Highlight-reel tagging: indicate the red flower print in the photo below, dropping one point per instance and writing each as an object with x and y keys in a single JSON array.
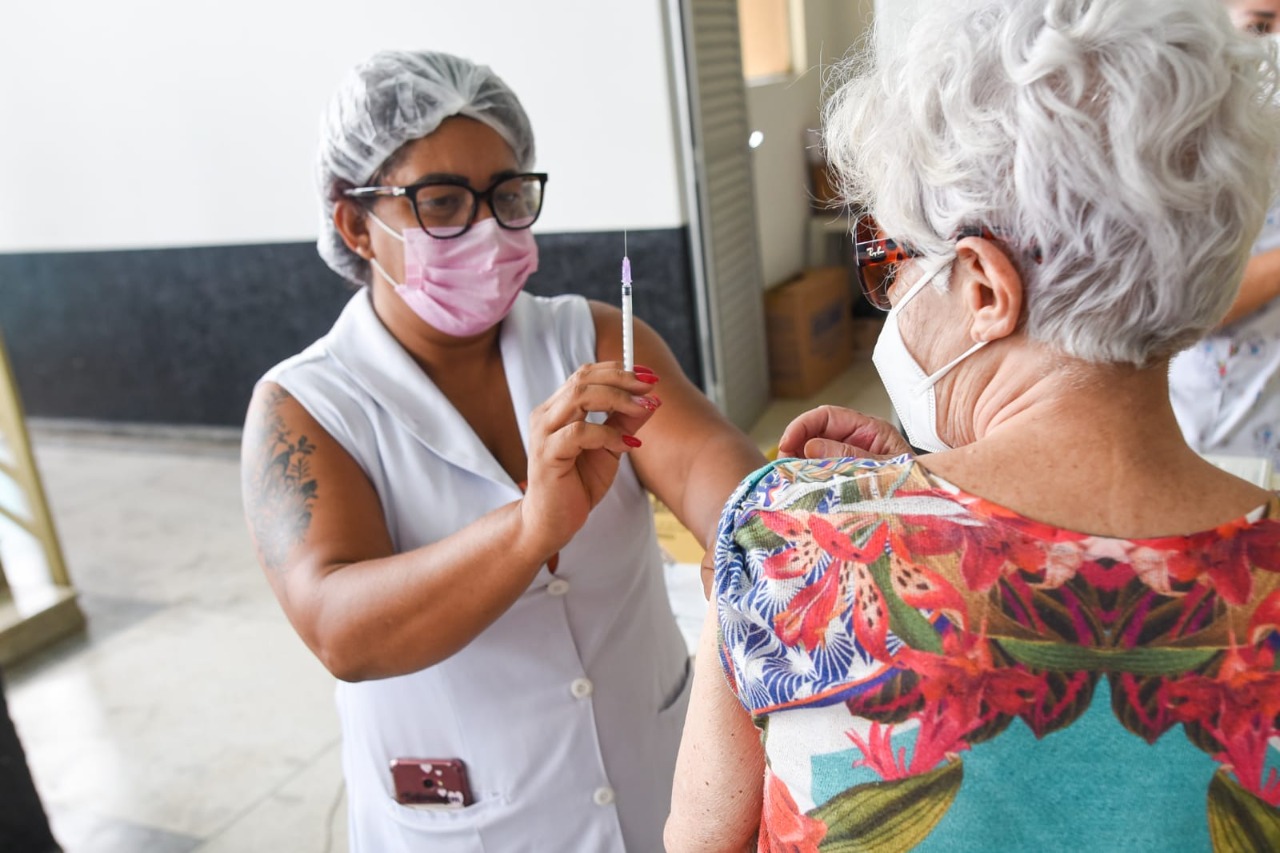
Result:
[
  {"x": 1266, "y": 619},
  {"x": 878, "y": 755},
  {"x": 963, "y": 691},
  {"x": 806, "y": 618},
  {"x": 1224, "y": 557},
  {"x": 846, "y": 579},
  {"x": 802, "y": 552},
  {"x": 987, "y": 551},
  {"x": 1238, "y": 707},
  {"x": 783, "y": 828},
  {"x": 847, "y": 582},
  {"x": 916, "y": 585},
  {"x": 870, "y": 617},
  {"x": 922, "y": 588}
]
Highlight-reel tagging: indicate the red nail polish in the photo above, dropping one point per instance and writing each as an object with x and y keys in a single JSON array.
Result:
[
  {"x": 631, "y": 441},
  {"x": 651, "y": 378},
  {"x": 640, "y": 368}
]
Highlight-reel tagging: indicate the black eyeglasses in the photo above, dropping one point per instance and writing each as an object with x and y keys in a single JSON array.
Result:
[
  {"x": 1260, "y": 23},
  {"x": 876, "y": 260},
  {"x": 447, "y": 208}
]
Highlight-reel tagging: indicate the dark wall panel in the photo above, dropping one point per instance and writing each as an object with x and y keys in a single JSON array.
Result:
[{"x": 179, "y": 336}]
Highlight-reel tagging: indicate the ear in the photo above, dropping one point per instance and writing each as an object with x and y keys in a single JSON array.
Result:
[
  {"x": 350, "y": 220},
  {"x": 991, "y": 289}
]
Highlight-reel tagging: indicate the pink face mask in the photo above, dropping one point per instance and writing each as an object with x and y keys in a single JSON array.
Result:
[{"x": 464, "y": 285}]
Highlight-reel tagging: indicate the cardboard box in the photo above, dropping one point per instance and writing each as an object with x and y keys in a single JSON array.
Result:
[
  {"x": 809, "y": 324},
  {"x": 823, "y": 197}
]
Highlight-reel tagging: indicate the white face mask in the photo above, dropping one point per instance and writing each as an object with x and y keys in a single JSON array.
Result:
[{"x": 910, "y": 388}]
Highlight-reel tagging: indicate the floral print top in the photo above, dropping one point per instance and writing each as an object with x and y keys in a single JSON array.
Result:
[{"x": 932, "y": 671}]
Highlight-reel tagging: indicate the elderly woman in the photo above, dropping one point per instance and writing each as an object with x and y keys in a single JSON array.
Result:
[
  {"x": 444, "y": 524},
  {"x": 1062, "y": 633}
]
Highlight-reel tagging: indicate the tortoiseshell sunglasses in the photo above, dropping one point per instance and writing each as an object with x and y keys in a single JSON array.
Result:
[{"x": 876, "y": 261}]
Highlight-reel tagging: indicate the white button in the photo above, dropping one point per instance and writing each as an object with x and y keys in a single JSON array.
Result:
[
  {"x": 559, "y": 586},
  {"x": 581, "y": 688},
  {"x": 603, "y": 796}
]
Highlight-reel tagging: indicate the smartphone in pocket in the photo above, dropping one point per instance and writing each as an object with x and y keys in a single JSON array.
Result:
[{"x": 431, "y": 782}]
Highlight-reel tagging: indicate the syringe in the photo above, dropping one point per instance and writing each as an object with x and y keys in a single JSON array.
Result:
[{"x": 628, "y": 352}]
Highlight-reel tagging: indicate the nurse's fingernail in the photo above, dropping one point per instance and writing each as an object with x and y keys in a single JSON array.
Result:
[
  {"x": 648, "y": 402},
  {"x": 640, "y": 368},
  {"x": 631, "y": 441},
  {"x": 651, "y": 378}
]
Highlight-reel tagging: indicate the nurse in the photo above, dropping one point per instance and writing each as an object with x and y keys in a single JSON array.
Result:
[
  {"x": 1226, "y": 388},
  {"x": 451, "y": 533}
]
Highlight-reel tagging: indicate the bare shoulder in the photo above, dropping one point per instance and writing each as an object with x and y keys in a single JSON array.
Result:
[
  {"x": 651, "y": 350},
  {"x": 604, "y": 312},
  {"x": 608, "y": 323},
  {"x": 305, "y": 497},
  {"x": 277, "y": 479}
]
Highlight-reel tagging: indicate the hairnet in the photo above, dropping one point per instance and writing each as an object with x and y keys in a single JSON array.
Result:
[{"x": 390, "y": 99}]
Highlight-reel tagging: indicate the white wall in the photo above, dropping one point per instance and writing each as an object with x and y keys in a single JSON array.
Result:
[
  {"x": 142, "y": 123},
  {"x": 783, "y": 111},
  {"x": 897, "y": 15}
]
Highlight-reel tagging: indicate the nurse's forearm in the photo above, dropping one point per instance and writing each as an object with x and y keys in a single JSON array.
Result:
[
  {"x": 715, "y": 470},
  {"x": 1260, "y": 285},
  {"x": 399, "y": 614}
]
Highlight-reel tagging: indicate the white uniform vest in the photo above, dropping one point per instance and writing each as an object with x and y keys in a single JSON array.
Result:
[{"x": 568, "y": 709}]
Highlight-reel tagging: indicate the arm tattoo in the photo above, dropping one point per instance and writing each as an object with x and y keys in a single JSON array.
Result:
[{"x": 281, "y": 489}]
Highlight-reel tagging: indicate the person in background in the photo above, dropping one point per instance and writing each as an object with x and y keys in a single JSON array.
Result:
[
  {"x": 449, "y": 491},
  {"x": 1260, "y": 17},
  {"x": 1057, "y": 627},
  {"x": 23, "y": 823},
  {"x": 1226, "y": 388}
]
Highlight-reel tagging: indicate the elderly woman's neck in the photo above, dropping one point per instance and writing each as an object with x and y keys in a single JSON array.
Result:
[
  {"x": 1062, "y": 395},
  {"x": 1087, "y": 448}
]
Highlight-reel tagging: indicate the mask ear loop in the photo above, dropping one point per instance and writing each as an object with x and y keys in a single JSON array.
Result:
[
  {"x": 377, "y": 266},
  {"x": 932, "y": 379},
  {"x": 374, "y": 261},
  {"x": 385, "y": 227},
  {"x": 928, "y": 276}
]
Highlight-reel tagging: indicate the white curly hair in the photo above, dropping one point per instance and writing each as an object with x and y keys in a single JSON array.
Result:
[{"x": 1132, "y": 143}]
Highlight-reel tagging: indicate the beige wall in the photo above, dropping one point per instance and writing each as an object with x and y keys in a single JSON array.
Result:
[{"x": 783, "y": 110}]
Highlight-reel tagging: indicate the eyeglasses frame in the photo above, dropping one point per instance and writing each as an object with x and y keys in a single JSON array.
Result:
[
  {"x": 410, "y": 192},
  {"x": 885, "y": 250}
]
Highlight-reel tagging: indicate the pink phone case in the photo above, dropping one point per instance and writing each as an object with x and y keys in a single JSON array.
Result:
[{"x": 431, "y": 781}]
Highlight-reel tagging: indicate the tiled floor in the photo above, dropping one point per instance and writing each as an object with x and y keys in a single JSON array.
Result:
[{"x": 189, "y": 716}]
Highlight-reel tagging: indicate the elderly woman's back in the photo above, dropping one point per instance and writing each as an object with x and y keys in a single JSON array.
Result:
[{"x": 1058, "y": 629}]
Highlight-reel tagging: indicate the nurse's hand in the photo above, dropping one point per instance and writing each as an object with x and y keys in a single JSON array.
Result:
[
  {"x": 572, "y": 462},
  {"x": 831, "y": 431}
]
